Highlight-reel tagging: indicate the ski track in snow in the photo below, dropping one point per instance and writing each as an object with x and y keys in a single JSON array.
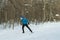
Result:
[{"x": 42, "y": 31}]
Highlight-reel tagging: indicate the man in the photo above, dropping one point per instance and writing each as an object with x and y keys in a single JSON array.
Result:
[{"x": 24, "y": 22}]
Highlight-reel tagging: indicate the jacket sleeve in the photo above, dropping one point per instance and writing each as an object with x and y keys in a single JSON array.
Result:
[{"x": 28, "y": 21}]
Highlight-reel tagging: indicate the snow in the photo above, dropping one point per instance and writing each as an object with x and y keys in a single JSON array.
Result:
[
  {"x": 42, "y": 31},
  {"x": 57, "y": 15}
]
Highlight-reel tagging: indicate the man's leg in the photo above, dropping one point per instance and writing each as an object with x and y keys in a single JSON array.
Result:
[
  {"x": 23, "y": 28},
  {"x": 28, "y": 28}
]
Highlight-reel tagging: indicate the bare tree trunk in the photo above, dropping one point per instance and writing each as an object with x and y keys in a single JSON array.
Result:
[
  {"x": 51, "y": 14},
  {"x": 44, "y": 16},
  {"x": 6, "y": 16},
  {"x": 5, "y": 20}
]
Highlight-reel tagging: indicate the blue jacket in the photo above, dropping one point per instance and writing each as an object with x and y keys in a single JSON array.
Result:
[{"x": 24, "y": 21}]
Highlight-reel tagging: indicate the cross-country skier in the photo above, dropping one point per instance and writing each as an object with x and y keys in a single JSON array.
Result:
[{"x": 24, "y": 22}]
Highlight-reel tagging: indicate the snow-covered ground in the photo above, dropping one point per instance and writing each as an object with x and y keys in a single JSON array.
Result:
[{"x": 42, "y": 31}]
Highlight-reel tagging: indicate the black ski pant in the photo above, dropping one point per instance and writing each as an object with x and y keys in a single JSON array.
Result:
[{"x": 26, "y": 26}]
